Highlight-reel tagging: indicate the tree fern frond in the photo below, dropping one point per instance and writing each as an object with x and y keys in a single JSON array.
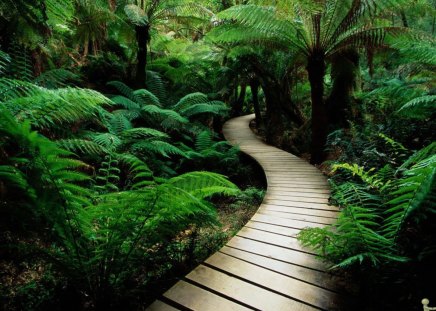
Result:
[
  {"x": 203, "y": 141},
  {"x": 145, "y": 97},
  {"x": 5, "y": 60},
  {"x": 157, "y": 147},
  {"x": 156, "y": 86},
  {"x": 82, "y": 146},
  {"x": 159, "y": 114},
  {"x": 204, "y": 184},
  {"x": 142, "y": 176},
  {"x": 107, "y": 140},
  {"x": 136, "y": 15},
  {"x": 56, "y": 78},
  {"x": 125, "y": 102},
  {"x": 143, "y": 132},
  {"x": 119, "y": 123},
  {"x": 421, "y": 107}
]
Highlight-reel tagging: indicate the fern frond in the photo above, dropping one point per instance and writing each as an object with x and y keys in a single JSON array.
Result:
[
  {"x": 203, "y": 141},
  {"x": 82, "y": 146},
  {"x": 143, "y": 132},
  {"x": 359, "y": 171},
  {"x": 204, "y": 184},
  {"x": 119, "y": 123},
  {"x": 106, "y": 140},
  {"x": 157, "y": 147},
  {"x": 409, "y": 195},
  {"x": 155, "y": 113},
  {"x": 142, "y": 176},
  {"x": 156, "y": 86},
  {"x": 5, "y": 60},
  {"x": 419, "y": 108},
  {"x": 56, "y": 78},
  {"x": 145, "y": 97}
]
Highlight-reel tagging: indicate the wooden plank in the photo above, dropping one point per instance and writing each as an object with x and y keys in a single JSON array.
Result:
[
  {"x": 300, "y": 204},
  {"x": 249, "y": 294},
  {"x": 317, "y": 278},
  {"x": 308, "y": 218},
  {"x": 272, "y": 228},
  {"x": 278, "y": 253},
  {"x": 290, "y": 197},
  {"x": 300, "y": 211},
  {"x": 286, "y": 222},
  {"x": 273, "y": 239},
  {"x": 294, "y": 193},
  {"x": 297, "y": 188},
  {"x": 290, "y": 287},
  {"x": 196, "y": 298},
  {"x": 277, "y": 184}
]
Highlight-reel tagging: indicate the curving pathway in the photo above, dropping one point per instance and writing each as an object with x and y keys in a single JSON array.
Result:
[{"x": 263, "y": 267}]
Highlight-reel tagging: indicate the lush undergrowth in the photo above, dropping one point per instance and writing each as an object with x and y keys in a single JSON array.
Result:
[{"x": 114, "y": 176}]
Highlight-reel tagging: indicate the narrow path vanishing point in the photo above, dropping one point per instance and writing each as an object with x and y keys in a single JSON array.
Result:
[{"x": 263, "y": 267}]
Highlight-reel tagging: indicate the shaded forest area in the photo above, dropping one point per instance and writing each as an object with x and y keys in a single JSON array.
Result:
[{"x": 115, "y": 179}]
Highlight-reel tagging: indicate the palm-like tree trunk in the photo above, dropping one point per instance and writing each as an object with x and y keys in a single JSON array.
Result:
[
  {"x": 316, "y": 69},
  {"x": 142, "y": 39}
]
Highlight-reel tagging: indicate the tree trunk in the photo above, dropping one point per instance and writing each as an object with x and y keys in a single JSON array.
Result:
[
  {"x": 404, "y": 19},
  {"x": 316, "y": 69},
  {"x": 339, "y": 104},
  {"x": 142, "y": 39},
  {"x": 254, "y": 86},
  {"x": 239, "y": 102}
]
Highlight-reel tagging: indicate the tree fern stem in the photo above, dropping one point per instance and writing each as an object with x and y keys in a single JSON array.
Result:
[{"x": 316, "y": 68}]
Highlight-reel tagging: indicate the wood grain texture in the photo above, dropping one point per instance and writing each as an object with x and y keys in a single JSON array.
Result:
[{"x": 264, "y": 267}]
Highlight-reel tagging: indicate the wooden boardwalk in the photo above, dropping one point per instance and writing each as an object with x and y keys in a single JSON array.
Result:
[{"x": 263, "y": 267}]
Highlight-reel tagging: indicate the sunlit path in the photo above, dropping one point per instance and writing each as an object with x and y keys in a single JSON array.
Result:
[{"x": 263, "y": 267}]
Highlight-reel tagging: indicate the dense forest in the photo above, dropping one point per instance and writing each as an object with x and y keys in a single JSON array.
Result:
[{"x": 115, "y": 178}]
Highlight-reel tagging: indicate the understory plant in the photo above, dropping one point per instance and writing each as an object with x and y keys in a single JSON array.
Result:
[
  {"x": 98, "y": 236},
  {"x": 377, "y": 208}
]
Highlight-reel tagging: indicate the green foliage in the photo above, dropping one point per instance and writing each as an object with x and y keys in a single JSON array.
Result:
[
  {"x": 375, "y": 211},
  {"x": 50, "y": 109},
  {"x": 420, "y": 107}
]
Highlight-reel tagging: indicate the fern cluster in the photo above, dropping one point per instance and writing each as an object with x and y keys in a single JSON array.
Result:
[
  {"x": 103, "y": 220},
  {"x": 376, "y": 210}
]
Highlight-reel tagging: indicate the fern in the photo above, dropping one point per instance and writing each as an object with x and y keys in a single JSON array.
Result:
[
  {"x": 50, "y": 108},
  {"x": 142, "y": 132},
  {"x": 82, "y": 146},
  {"x": 419, "y": 108},
  {"x": 56, "y": 78},
  {"x": 5, "y": 60},
  {"x": 141, "y": 175},
  {"x": 156, "y": 147},
  {"x": 106, "y": 140},
  {"x": 156, "y": 86},
  {"x": 356, "y": 237},
  {"x": 409, "y": 194},
  {"x": 359, "y": 171}
]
